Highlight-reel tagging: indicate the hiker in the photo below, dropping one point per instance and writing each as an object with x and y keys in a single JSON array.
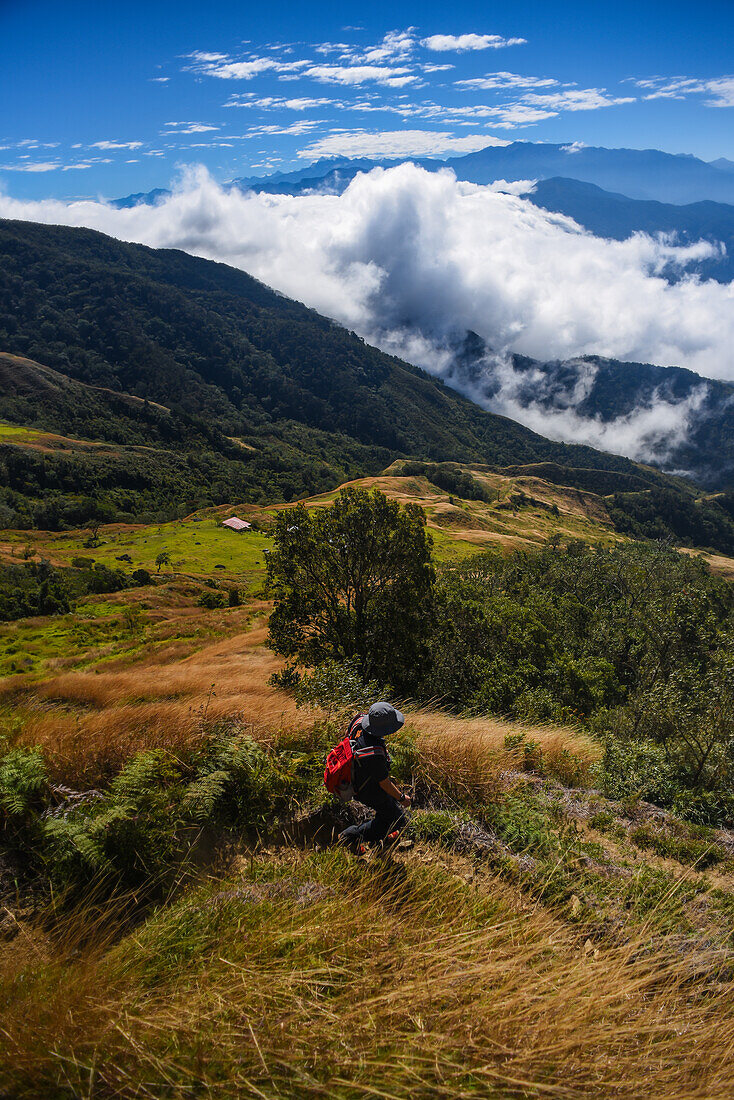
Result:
[{"x": 371, "y": 780}]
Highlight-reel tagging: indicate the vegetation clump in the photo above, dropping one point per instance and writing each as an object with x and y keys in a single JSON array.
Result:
[
  {"x": 38, "y": 588},
  {"x": 353, "y": 582}
]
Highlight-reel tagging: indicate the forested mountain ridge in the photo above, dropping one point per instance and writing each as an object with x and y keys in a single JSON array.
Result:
[
  {"x": 215, "y": 388},
  {"x": 209, "y": 341}
]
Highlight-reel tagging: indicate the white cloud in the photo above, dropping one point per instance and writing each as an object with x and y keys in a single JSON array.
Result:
[
  {"x": 411, "y": 260},
  {"x": 223, "y": 67},
  {"x": 650, "y": 432},
  {"x": 395, "y": 44},
  {"x": 574, "y": 147},
  {"x": 206, "y": 58},
  {"x": 276, "y": 103},
  {"x": 116, "y": 145},
  {"x": 574, "y": 99},
  {"x": 464, "y": 42},
  {"x": 517, "y": 114},
  {"x": 506, "y": 80},
  {"x": 396, "y": 76},
  {"x": 159, "y": 79},
  {"x": 720, "y": 89},
  {"x": 304, "y": 126},
  {"x": 534, "y": 107},
  {"x": 77, "y": 167},
  {"x": 189, "y": 128},
  {"x": 31, "y": 166},
  {"x": 396, "y": 143},
  {"x": 333, "y": 47}
]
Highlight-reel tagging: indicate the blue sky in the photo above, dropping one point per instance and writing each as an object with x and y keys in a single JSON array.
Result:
[{"x": 102, "y": 99}]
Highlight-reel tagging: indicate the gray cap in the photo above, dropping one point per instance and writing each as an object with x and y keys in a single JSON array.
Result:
[{"x": 382, "y": 720}]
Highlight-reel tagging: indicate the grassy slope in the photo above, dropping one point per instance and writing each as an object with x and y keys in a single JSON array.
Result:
[{"x": 537, "y": 940}]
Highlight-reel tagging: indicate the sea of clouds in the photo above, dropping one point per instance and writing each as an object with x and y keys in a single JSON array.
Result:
[{"x": 411, "y": 260}]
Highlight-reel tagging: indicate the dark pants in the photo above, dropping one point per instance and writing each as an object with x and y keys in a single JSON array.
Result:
[{"x": 388, "y": 817}]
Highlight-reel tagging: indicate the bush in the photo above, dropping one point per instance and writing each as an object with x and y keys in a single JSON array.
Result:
[
  {"x": 213, "y": 600},
  {"x": 138, "y": 834},
  {"x": 637, "y": 769},
  {"x": 336, "y": 685}
]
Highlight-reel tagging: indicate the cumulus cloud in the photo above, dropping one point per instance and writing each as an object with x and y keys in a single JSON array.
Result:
[
  {"x": 396, "y": 143},
  {"x": 394, "y": 44},
  {"x": 391, "y": 76},
  {"x": 412, "y": 260},
  {"x": 463, "y": 42}
]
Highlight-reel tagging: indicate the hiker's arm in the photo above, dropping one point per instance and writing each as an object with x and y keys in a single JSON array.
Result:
[{"x": 389, "y": 787}]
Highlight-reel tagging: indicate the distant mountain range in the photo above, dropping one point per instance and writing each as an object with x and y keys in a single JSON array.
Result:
[
  {"x": 616, "y": 217},
  {"x": 646, "y": 174},
  {"x": 611, "y": 192}
]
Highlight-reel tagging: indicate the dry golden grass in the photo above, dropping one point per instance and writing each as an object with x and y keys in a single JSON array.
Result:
[
  {"x": 335, "y": 981},
  {"x": 90, "y": 723},
  {"x": 466, "y": 757}
]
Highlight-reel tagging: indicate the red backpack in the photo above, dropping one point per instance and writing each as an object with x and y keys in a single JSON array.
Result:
[{"x": 339, "y": 774}]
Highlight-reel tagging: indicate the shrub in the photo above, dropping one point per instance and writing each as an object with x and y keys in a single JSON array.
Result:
[
  {"x": 336, "y": 685},
  {"x": 637, "y": 769},
  {"x": 213, "y": 600}
]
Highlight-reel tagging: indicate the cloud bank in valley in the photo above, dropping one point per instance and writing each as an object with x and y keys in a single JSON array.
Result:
[{"x": 411, "y": 260}]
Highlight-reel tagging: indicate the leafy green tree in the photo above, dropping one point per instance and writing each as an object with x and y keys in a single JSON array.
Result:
[
  {"x": 164, "y": 558},
  {"x": 353, "y": 581}
]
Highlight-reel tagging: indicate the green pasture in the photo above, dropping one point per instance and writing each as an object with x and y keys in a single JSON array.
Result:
[
  {"x": 203, "y": 547},
  {"x": 30, "y": 646},
  {"x": 16, "y": 433}
]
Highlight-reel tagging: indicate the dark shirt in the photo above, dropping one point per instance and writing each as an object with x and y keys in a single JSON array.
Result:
[{"x": 371, "y": 769}]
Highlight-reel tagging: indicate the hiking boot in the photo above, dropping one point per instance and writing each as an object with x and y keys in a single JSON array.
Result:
[
  {"x": 354, "y": 844},
  {"x": 392, "y": 840}
]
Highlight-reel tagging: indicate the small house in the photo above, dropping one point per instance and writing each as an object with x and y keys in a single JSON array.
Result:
[{"x": 236, "y": 524}]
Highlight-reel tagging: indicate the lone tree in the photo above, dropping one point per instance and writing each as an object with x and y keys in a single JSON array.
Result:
[
  {"x": 164, "y": 558},
  {"x": 353, "y": 581}
]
